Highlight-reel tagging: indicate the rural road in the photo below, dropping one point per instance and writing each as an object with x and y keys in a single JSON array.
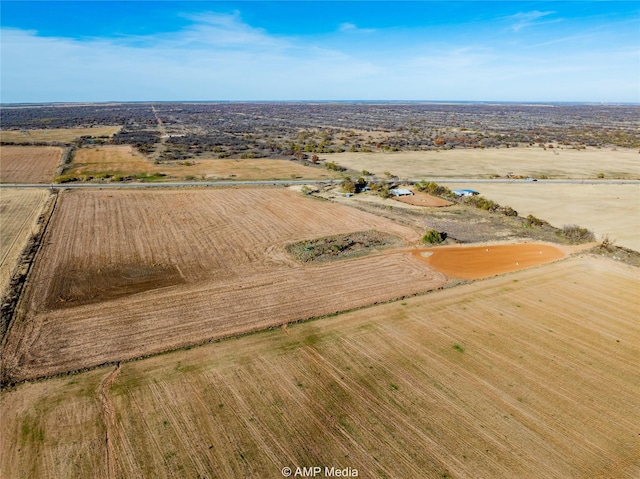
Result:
[{"x": 305, "y": 182}]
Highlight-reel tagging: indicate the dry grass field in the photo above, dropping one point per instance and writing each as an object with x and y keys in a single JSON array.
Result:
[
  {"x": 532, "y": 374},
  {"x": 64, "y": 135},
  {"x": 19, "y": 211},
  {"x": 612, "y": 210},
  {"x": 123, "y": 160},
  {"x": 28, "y": 164},
  {"x": 482, "y": 163},
  {"x": 110, "y": 284}
]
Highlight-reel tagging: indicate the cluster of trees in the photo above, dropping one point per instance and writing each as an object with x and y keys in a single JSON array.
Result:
[
  {"x": 283, "y": 129},
  {"x": 74, "y": 116}
]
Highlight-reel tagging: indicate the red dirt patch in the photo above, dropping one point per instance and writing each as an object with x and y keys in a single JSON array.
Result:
[
  {"x": 477, "y": 262},
  {"x": 423, "y": 199}
]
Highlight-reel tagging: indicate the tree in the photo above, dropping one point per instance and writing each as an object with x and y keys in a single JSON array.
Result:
[
  {"x": 434, "y": 237},
  {"x": 347, "y": 185}
]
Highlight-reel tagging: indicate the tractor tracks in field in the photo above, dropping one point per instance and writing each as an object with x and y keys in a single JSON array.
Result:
[{"x": 109, "y": 417}]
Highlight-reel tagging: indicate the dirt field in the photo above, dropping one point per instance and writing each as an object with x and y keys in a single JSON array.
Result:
[
  {"x": 123, "y": 160},
  {"x": 422, "y": 199},
  {"x": 531, "y": 374},
  {"x": 19, "y": 210},
  {"x": 474, "y": 262},
  {"x": 110, "y": 284},
  {"x": 612, "y": 210},
  {"x": 482, "y": 163},
  {"x": 28, "y": 164},
  {"x": 64, "y": 135}
]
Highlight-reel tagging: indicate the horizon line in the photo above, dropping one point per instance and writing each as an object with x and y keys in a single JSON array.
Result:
[{"x": 450, "y": 102}]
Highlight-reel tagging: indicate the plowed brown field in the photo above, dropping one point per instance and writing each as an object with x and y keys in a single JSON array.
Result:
[
  {"x": 529, "y": 375},
  {"x": 124, "y": 274},
  {"x": 28, "y": 164},
  {"x": 19, "y": 210},
  {"x": 474, "y": 262}
]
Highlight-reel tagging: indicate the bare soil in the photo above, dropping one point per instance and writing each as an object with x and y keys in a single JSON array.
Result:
[
  {"x": 530, "y": 374},
  {"x": 110, "y": 284},
  {"x": 423, "y": 199},
  {"x": 28, "y": 164},
  {"x": 19, "y": 211},
  {"x": 84, "y": 286},
  {"x": 475, "y": 262}
]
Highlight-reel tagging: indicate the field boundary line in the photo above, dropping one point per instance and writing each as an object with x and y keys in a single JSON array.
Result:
[
  {"x": 5, "y": 254},
  {"x": 20, "y": 275},
  {"x": 186, "y": 347},
  {"x": 65, "y": 160},
  {"x": 109, "y": 418}
]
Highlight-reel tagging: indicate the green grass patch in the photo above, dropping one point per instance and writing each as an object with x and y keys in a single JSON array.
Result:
[{"x": 341, "y": 246}]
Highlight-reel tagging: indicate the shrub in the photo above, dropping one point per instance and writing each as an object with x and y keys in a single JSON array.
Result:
[
  {"x": 482, "y": 203},
  {"x": 607, "y": 244},
  {"x": 384, "y": 191},
  {"x": 434, "y": 237},
  {"x": 67, "y": 179},
  {"x": 575, "y": 234},
  {"x": 347, "y": 185},
  {"x": 507, "y": 211},
  {"x": 533, "y": 221},
  {"x": 331, "y": 165},
  {"x": 434, "y": 189}
]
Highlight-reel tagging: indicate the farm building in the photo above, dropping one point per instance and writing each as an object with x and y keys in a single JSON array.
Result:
[
  {"x": 400, "y": 192},
  {"x": 465, "y": 192}
]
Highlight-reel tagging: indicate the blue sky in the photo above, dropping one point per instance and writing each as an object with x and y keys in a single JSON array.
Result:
[{"x": 466, "y": 51}]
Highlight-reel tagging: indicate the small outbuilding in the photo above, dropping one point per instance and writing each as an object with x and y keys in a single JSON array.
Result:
[
  {"x": 400, "y": 192},
  {"x": 465, "y": 192}
]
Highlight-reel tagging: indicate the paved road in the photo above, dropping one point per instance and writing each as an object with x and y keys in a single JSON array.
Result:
[{"x": 305, "y": 182}]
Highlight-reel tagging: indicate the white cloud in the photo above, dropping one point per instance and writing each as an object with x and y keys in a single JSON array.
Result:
[
  {"x": 225, "y": 30},
  {"x": 352, "y": 27},
  {"x": 345, "y": 27},
  {"x": 528, "y": 19},
  {"x": 219, "y": 57}
]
